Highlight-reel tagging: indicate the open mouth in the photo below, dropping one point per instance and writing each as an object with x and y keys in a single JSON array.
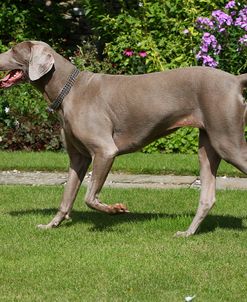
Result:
[{"x": 13, "y": 77}]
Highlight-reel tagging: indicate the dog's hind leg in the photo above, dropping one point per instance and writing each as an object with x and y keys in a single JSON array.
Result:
[
  {"x": 230, "y": 142},
  {"x": 209, "y": 162},
  {"x": 223, "y": 139}
]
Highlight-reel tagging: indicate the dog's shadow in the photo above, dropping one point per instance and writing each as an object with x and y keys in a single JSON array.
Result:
[{"x": 103, "y": 222}]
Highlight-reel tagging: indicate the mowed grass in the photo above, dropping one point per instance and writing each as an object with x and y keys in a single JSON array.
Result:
[
  {"x": 131, "y": 257},
  {"x": 135, "y": 163}
]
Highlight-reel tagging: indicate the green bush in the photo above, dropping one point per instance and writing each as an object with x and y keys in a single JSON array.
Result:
[
  {"x": 25, "y": 124},
  {"x": 86, "y": 58},
  {"x": 20, "y": 20},
  {"x": 185, "y": 140}
]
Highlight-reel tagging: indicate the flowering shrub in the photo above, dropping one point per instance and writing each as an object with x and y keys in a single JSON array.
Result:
[
  {"x": 136, "y": 61},
  {"x": 224, "y": 39},
  {"x": 146, "y": 35},
  {"x": 132, "y": 37}
]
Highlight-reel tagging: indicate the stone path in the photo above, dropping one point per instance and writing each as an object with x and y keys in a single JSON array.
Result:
[{"x": 116, "y": 180}]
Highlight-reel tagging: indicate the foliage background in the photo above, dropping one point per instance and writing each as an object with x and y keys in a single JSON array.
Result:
[{"x": 164, "y": 30}]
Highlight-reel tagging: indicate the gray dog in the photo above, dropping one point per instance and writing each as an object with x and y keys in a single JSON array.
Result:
[{"x": 106, "y": 115}]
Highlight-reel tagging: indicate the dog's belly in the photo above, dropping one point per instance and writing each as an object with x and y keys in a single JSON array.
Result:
[
  {"x": 188, "y": 121},
  {"x": 135, "y": 139},
  {"x": 128, "y": 144}
]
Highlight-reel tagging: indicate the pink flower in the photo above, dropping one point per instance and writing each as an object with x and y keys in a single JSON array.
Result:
[
  {"x": 142, "y": 53},
  {"x": 128, "y": 52}
]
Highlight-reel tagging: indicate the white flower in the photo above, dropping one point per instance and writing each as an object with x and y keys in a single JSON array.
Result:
[
  {"x": 140, "y": 4},
  {"x": 6, "y": 109},
  {"x": 1, "y": 139}
]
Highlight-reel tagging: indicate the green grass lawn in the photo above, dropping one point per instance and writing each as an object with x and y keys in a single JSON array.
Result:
[
  {"x": 131, "y": 257},
  {"x": 179, "y": 164}
]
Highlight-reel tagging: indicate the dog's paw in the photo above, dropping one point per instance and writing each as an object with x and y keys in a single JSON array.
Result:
[
  {"x": 119, "y": 208},
  {"x": 183, "y": 234},
  {"x": 43, "y": 226},
  {"x": 46, "y": 226}
]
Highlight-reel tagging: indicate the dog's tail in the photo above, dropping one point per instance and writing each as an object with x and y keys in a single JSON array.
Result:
[{"x": 243, "y": 80}]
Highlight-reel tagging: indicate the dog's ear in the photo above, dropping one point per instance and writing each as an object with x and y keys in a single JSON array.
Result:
[{"x": 41, "y": 62}]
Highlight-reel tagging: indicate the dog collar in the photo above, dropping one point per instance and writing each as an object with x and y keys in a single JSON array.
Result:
[{"x": 65, "y": 91}]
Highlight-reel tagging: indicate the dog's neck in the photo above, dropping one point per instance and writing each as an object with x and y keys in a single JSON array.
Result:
[
  {"x": 57, "y": 103},
  {"x": 52, "y": 83}
]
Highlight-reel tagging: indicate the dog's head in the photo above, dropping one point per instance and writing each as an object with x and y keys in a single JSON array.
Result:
[{"x": 26, "y": 61}]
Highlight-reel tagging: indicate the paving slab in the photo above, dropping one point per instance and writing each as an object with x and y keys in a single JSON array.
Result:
[
  {"x": 32, "y": 178},
  {"x": 117, "y": 180},
  {"x": 149, "y": 181}
]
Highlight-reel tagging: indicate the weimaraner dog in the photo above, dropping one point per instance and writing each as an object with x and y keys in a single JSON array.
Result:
[{"x": 107, "y": 115}]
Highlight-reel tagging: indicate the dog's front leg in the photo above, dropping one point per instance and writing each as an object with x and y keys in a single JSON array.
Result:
[
  {"x": 102, "y": 163},
  {"x": 78, "y": 168},
  {"x": 209, "y": 163}
]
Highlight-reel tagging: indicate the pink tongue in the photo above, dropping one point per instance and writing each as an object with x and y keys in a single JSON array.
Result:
[
  {"x": 6, "y": 81},
  {"x": 11, "y": 78},
  {"x": 7, "y": 77}
]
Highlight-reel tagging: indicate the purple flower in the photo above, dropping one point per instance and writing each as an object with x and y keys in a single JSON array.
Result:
[
  {"x": 232, "y": 20},
  {"x": 222, "y": 18},
  {"x": 203, "y": 23},
  {"x": 204, "y": 47},
  {"x": 243, "y": 40},
  {"x": 222, "y": 29},
  {"x": 241, "y": 20},
  {"x": 209, "y": 40},
  {"x": 142, "y": 53},
  {"x": 207, "y": 60},
  {"x": 128, "y": 52},
  {"x": 230, "y": 4}
]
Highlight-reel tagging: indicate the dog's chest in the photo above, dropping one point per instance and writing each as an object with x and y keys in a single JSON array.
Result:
[{"x": 71, "y": 136}]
